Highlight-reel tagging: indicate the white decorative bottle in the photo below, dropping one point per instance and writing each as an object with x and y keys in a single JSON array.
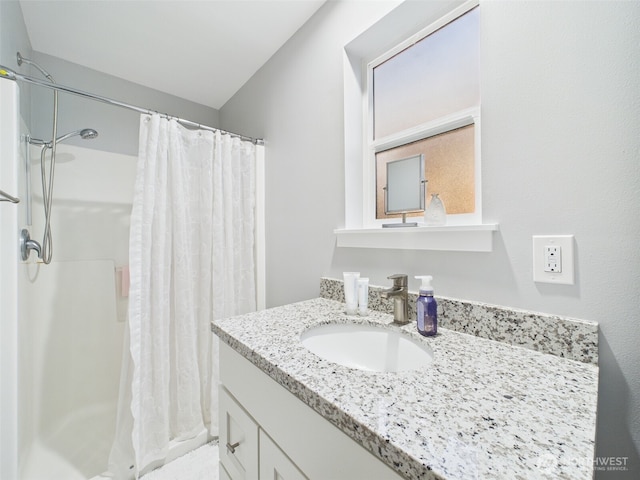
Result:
[{"x": 435, "y": 214}]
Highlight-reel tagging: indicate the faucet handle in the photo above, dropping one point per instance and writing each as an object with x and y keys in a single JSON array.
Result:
[{"x": 399, "y": 279}]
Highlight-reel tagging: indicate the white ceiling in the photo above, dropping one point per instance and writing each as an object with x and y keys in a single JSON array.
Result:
[{"x": 202, "y": 50}]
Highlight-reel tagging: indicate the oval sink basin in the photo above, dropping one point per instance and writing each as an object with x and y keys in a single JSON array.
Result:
[{"x": 367, "y": 347}]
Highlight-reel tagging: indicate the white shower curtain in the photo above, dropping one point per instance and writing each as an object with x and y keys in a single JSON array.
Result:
[{"x": 192, "y": 260}]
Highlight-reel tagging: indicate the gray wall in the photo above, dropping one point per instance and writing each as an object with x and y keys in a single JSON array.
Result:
[
  {"x": 117, "y": 127},
  {"x": 560, "y": 155},
  {"x": 14, "y": 38},
  {"x": 13, "y": 33}
]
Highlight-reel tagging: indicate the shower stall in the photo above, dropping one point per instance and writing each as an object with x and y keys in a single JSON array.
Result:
[
  {"x": 62, "y": 324},
  {"x": 74, "y": 315}
]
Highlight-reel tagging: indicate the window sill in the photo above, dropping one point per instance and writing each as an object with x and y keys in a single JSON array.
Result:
[{"x": 458, "y": 238}]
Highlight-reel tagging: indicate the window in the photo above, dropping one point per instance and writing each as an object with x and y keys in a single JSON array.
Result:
[
  {"x": 449, "y": 170},
  {"x": 424, "y": 99}
]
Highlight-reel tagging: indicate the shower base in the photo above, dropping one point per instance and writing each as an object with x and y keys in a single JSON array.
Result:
[
  {"x": 177, "y": 450},
  {"x": 76, "y": 448}
]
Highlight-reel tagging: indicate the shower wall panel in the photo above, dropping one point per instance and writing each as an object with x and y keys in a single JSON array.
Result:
[
  {"x": 72, "y": 335},
  {"x": 9, "y": 214}
]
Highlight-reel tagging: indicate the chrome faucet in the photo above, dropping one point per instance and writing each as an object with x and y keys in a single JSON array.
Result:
[{"x": 399, "y": 293}]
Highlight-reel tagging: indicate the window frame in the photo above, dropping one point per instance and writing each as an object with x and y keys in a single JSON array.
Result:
[{"x": 440, "y": 125}]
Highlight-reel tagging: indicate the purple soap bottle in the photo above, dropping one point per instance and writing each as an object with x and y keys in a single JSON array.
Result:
[{"x": 427, "y": 308}]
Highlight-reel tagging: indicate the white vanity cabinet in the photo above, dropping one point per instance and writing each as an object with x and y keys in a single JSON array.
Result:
[{"x": 278, "y": 436}]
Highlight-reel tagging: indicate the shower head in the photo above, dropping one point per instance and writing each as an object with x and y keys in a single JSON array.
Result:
[
  {"x": 88, "y": 133},
  {"x": 85, "y": 134}
]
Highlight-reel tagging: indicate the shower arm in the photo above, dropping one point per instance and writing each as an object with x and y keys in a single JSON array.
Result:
[{"x": 21, "y": 60}]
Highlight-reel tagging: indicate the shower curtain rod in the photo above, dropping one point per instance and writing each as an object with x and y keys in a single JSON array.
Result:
[{"x": 11, "y": 75}]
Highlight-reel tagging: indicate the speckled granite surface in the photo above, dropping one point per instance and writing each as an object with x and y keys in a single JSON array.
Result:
[
  {"x": 561, "y": 336},
  {"x": 483, "y": 410}
]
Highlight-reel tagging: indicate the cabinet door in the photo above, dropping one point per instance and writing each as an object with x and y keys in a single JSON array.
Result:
[
  {"x": 238, "y": 440},
  {"x": 274, "y": 464},
  {"x": 222, "y": 473}
]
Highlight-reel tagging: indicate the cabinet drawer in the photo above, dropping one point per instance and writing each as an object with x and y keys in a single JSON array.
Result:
[{"x": 238, "y": 439}]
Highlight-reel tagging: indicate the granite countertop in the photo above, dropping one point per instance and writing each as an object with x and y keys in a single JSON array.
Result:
[{"x": 484, "y": 409}]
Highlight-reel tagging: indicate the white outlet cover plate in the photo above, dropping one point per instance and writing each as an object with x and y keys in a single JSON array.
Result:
[{"x": 566, "y": 244}]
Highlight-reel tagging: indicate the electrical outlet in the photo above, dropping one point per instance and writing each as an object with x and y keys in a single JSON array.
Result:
[{"x": 553, "y": 260}]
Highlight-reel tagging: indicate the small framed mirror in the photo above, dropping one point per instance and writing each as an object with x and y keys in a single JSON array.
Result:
[{"x": 405, "y": 188}]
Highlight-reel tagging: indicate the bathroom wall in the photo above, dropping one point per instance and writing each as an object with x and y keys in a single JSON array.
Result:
[
  {"x": 14, "y": 33},
  {"x": 560, "y": 102},
  {"x": 14, "y": 38},
  {"x": 118, "y": 127},
  {"x": 295, "y": 102}
]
